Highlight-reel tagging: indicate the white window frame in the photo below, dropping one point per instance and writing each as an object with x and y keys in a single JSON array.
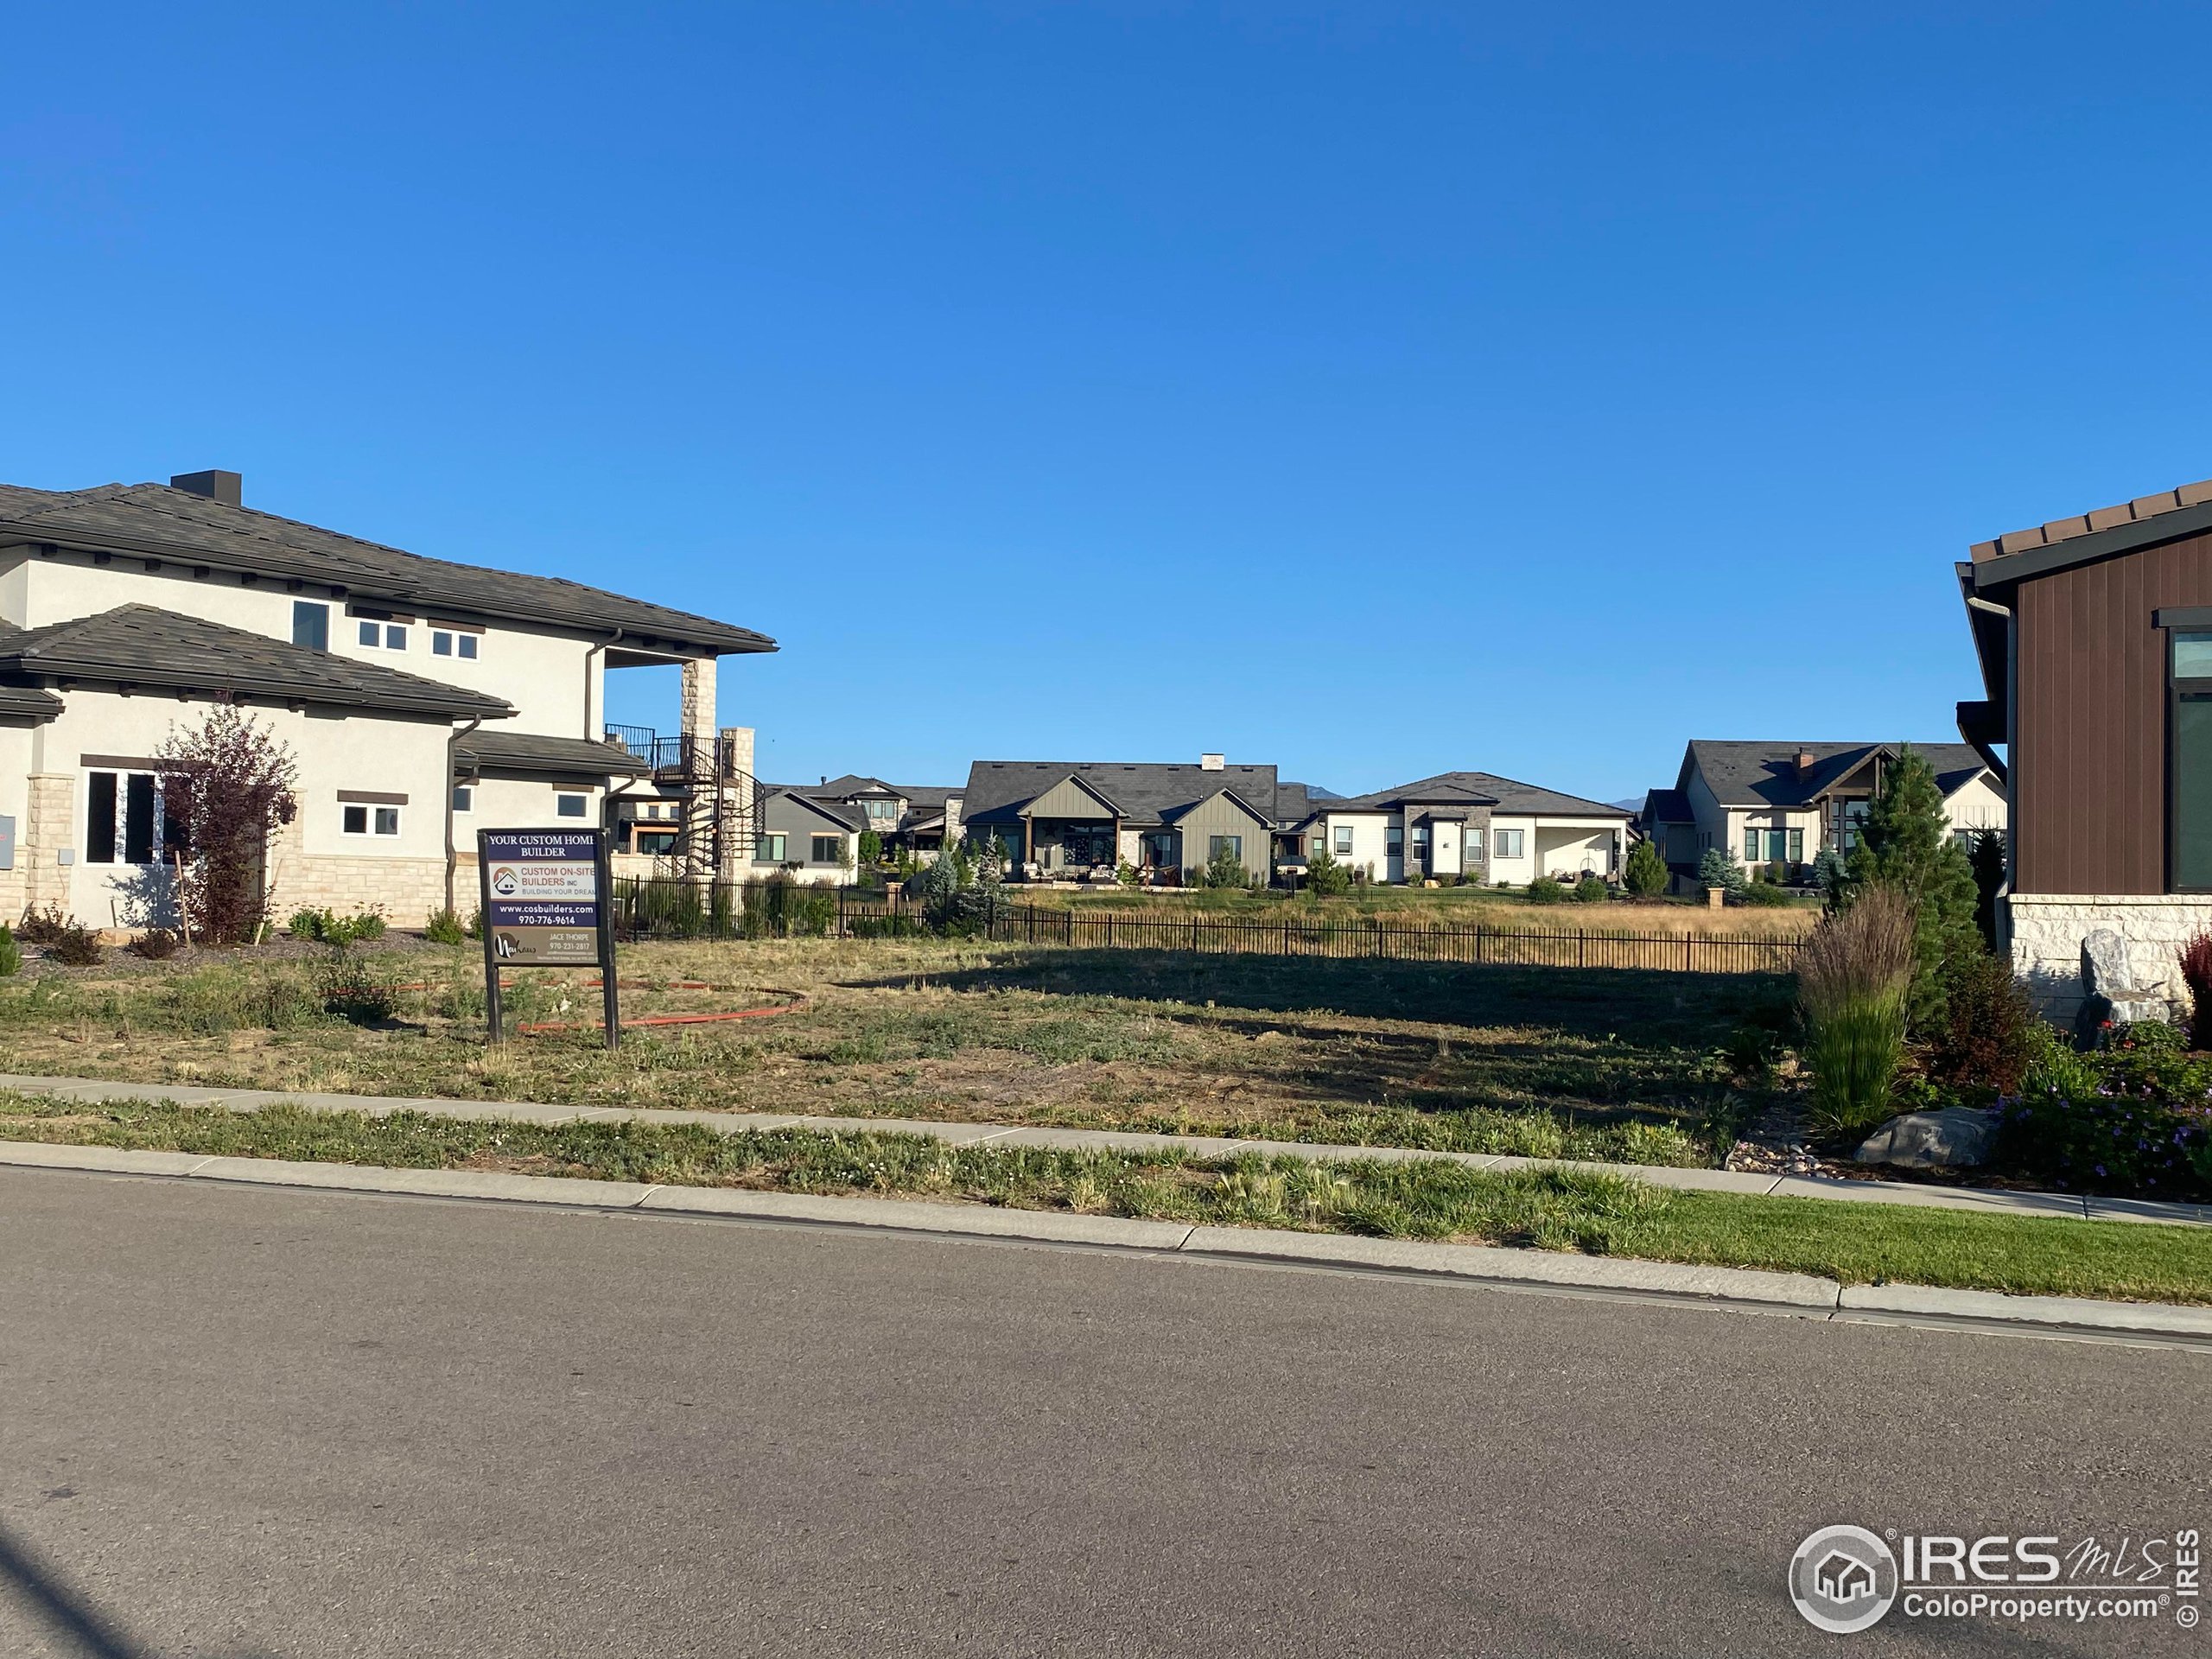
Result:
[
  {"x": 562, "y": 809},
  {"x": 373, "y": 818}
]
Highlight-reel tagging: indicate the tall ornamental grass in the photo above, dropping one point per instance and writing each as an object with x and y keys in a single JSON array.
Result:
[{"x": 1852, "y": 979}]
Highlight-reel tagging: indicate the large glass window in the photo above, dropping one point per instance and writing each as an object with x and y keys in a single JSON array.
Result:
[
  {"x": 310, "y": 625},
  {"x": 826, "y": 850},
  {"x": 120, "y": 817},
  {"x": 768, "y": 849},
  {"x": 2192, "y": 763},
  {"x": 1233, "y": 845}
]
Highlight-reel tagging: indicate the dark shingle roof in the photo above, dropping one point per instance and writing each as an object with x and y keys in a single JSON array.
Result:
[
  {"x": 157, "y": 519},
  {"x": 851, "y": 817},
  {"x": 138, "y": 645},
  {"x": 560, "y": 757},
  {"x": 1478, "y": 789},
  {"x": 1145, "y": 792},
  {"x": 1667, "y": 806},
  {"x": 1765, "y": 774}
]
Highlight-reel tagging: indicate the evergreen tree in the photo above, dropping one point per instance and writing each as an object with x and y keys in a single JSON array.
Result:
[
  {"x": 1645, "y": 873},
  {"x": 1719, "y": 869},
  {"x": 1906, "y": 844}
]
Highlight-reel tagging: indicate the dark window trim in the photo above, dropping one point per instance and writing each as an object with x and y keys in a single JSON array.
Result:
[
  {"x": 2182, "y": 616},
  {"x": 2176, "y": 688},
  {"x": 371, "y": 798},
  {"x": 122, "y": 763}
]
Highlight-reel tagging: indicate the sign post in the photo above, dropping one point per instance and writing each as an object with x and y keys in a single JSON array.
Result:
[{"x": 546, "y": 898}]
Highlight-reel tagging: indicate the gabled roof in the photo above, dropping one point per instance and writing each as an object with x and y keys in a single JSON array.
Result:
[
  {"x": 1667, "y": 806},
  {"x": 1143, "y": 792},
  {"x": 1765, "y": 774},
  {"x": 1177, "y": 814},
  {"x": 555, "y": 757},
  {"x": 158, "y": 520},
  {"x": 1475, "y": 789},
  {"x": 141, "y": 646},
  {"x": 831, "y": 812}
]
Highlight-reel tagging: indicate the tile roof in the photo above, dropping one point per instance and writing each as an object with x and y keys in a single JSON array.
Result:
[
  {"x": 158, "y": 520},
  {"x": 2142, "y": 508},
  {"x": 1475, "y": 788},
  {"x": 1146, "y": 792},
  {"x": 1765, "y": 773},
  {"x": 562, "y": 757},
  {"x": 139, "y": 644}
]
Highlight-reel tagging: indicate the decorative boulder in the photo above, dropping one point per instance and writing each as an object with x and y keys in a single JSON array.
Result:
[
  {"x": 1953, "y": 1138},
  {"x": 2104, "y": 967}
]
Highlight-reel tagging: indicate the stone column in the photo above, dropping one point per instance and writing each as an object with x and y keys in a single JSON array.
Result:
[
  {"x": 696, "y": 716},
  {"x": 734, "y": 756},
  {"x": 49, "y": 829},
  {"x": 697, "y": 709}
]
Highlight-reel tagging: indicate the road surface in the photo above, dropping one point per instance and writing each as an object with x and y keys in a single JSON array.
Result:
[{"x": 238, "y": 1421}]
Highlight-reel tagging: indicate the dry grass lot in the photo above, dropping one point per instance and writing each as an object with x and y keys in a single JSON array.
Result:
[
  {"x": 1546, "y": 1062},
  {"x": 1461, "y": 906}
]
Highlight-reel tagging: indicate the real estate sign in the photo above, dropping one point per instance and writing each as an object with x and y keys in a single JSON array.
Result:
[{"x": 545, "y": 906}]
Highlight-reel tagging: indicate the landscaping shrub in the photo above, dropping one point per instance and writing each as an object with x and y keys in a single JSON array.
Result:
[
  {"x": 2135, "y": 1118},
  {"x": 1719, "y": 869},
  {"x": 1591, "y": 890},
  {"x": 1907, "y": 845},
  {"x": 1545, "y": 891},
  {"x": 155, "y": 945},
  {"x": 73, "y": 945},
  {"x": 1225, "y": 868},
  {"x": 42, "y": 926},
  {"x": 356, "y": 988},
  {"x": 871, "y": 847},
  {"x": 1764, "y": 894},
  {"x": 1986, "y": 858},
  {"x": 1852, "y": 975},
  {"x": 227, "y": 785},
  {"x": 444, "y": 927},
  {"x": 1127, "y": 874},
  {"x": 11, "y": 954},
  {"x": 1645, "y": 875},
  {"x": 1831, "y": 877},
  {"x": 1982, "y": 1047},
  {"x": 2196, "y": 974},
  {"x": 327, "y": 927},
  {"x": 1325, "y": 878}
]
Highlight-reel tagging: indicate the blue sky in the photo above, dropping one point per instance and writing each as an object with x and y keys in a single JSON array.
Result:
[{"x": 1373, "y": 389}]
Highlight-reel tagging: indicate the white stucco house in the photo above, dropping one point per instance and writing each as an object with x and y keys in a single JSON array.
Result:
[
  {"x": 420, "y": 698},
  {"x": 1474, "y": 825},
  {"x": 1778, "y": 803}
]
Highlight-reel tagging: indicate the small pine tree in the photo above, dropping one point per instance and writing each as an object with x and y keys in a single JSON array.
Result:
[
  {"x": 1833, "y": 879},
  {"x": 1719, "y": 869},
  {"x": 1906, "y": 844},
  {"x": 1325, "y": 878},
  {"x": 1985, "y": 856},
  {"x": 1224, "y": 868},
  {"x": 1645, "y": 873},
  {"x": 871, "y": 847}
]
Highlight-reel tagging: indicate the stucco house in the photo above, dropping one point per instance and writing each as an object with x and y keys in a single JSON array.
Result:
[
  {"x": 1779, "y": 803},
  {"x": 1472, "y": 825},
  {"x": 1082, "y": 819},
  {"x": 419, "y": 698},
  {"x": 2094, "y": 636}
]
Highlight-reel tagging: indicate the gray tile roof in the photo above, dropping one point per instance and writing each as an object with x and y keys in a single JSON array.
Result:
[
  {"x": 1476, "y": 789},
  {"x": 155, "y": 519},
  {"x": 1766, "y": 774},
  {"x": 138, "y": 645},
  {"x": 28, "y": 702},
  {"x": 558, "y": 757},
  {"x": 1147, "y": 792}
]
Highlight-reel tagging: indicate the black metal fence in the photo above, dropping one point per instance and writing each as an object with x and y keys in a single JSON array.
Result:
[{"x": 656, "y": 908}]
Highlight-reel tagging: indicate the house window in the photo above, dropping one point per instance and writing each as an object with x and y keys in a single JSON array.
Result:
[
  {"x": 1344, "y": 841},
  {"x": 567, "y": 806},
  {"x": 768, "y": 849},
  {"x": 389, "y": 636},
  {"x": 1474, "y": 850},
  {"x": 1233, "y": 845},
  {"x": 826, "y": 850},
  {"x": 372, "y": 633},
  {"x": 447, "y": 642},
  {"x": 119, "y": 817},
  {"x": 357, "y": 819},
  {"x": 310, "y": 625},
  {"x": 880, "y": 811},
  {"x": 1796, "y": 845},
  {"x": 1316, "y": 846},
  {"x": 1751, "y": 846},
  {"x": 464, "y": 798},
  {"x": 2190, "y": 763},
  {"x": 1509, "y": 842},
  {"x": 1393, "y": 841}
]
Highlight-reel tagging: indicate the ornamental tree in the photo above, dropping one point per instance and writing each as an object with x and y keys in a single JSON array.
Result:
[{"x": 227, "y": 785}]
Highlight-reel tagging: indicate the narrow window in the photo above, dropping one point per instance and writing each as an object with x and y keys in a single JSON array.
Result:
[
  {"x": 387, "y": 820},
  {"x": 395, "y": 637},
  {"x": 468, "y": 645},
  {"x": 1474, "y": 846},
  {"x": 310, "y": 625},
  {"x": 464, "y": 798},
  {"x": 353, "y": 820},
  {"x": 1796, "y": 845},
  {"x": 372, "y": 633},
  {"x": 568, "y": 806},
  {"x": 1316, "y": 846},
  {"x": 441, "y": 643},
  {"x": 2190, "y": 763},
  {"x": 100, "y": 819},
  {"x": 138, "y": 818},
  {"x": 1344, "y": 841},
  {"x": 827, "y": 850}
]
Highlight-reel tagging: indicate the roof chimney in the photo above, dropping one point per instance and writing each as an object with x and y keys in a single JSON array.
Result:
[
  {"x": 1213, "y": 762},
  {"x": 1804, "y": 761},
  {"x": 216, "y": 485}
]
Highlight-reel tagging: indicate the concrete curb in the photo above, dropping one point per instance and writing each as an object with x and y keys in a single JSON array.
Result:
[
  {"x": 1987, "y": 1201},
  {"x": 1804, "y": 1295}
]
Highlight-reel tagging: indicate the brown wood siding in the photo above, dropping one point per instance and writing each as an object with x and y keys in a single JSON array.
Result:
[{"x": 2089, "y": 762}]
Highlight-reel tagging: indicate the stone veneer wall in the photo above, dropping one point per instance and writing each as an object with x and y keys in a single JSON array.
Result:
[
  {"x": 405, "y": 889},
  {"x": 50, "y": 826},
  {"x": 2048, "y": 930}
]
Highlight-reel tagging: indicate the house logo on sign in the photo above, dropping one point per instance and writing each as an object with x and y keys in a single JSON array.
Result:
[
  {"x": 1843, "y": 1579},
  {"x": 504, "y": 882}
]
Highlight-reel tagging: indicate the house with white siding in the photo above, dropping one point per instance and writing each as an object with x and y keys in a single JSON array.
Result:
[{"x": 1472, "y": 826}]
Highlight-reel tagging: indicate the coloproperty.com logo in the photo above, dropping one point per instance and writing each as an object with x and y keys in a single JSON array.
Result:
[{"x": 1845, "y": 1579}]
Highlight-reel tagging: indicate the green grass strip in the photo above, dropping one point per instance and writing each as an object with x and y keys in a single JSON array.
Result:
[{"x": 1593, "y": 1212}]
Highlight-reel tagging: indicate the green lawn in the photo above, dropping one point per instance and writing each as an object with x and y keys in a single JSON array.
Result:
[{"x": 1596, "y": 1213}]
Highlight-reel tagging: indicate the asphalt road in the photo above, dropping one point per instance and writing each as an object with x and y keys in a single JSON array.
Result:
[{"x": 238, "y": 1421}]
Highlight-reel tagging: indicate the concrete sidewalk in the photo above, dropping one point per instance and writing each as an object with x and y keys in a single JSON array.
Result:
[
  {"x": 1746, "y": 1290},
  {"x": 1001, "y": 1134}
]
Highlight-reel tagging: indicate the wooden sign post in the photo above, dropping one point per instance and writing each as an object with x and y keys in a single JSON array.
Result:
[{"x": 546, "y": 904}]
